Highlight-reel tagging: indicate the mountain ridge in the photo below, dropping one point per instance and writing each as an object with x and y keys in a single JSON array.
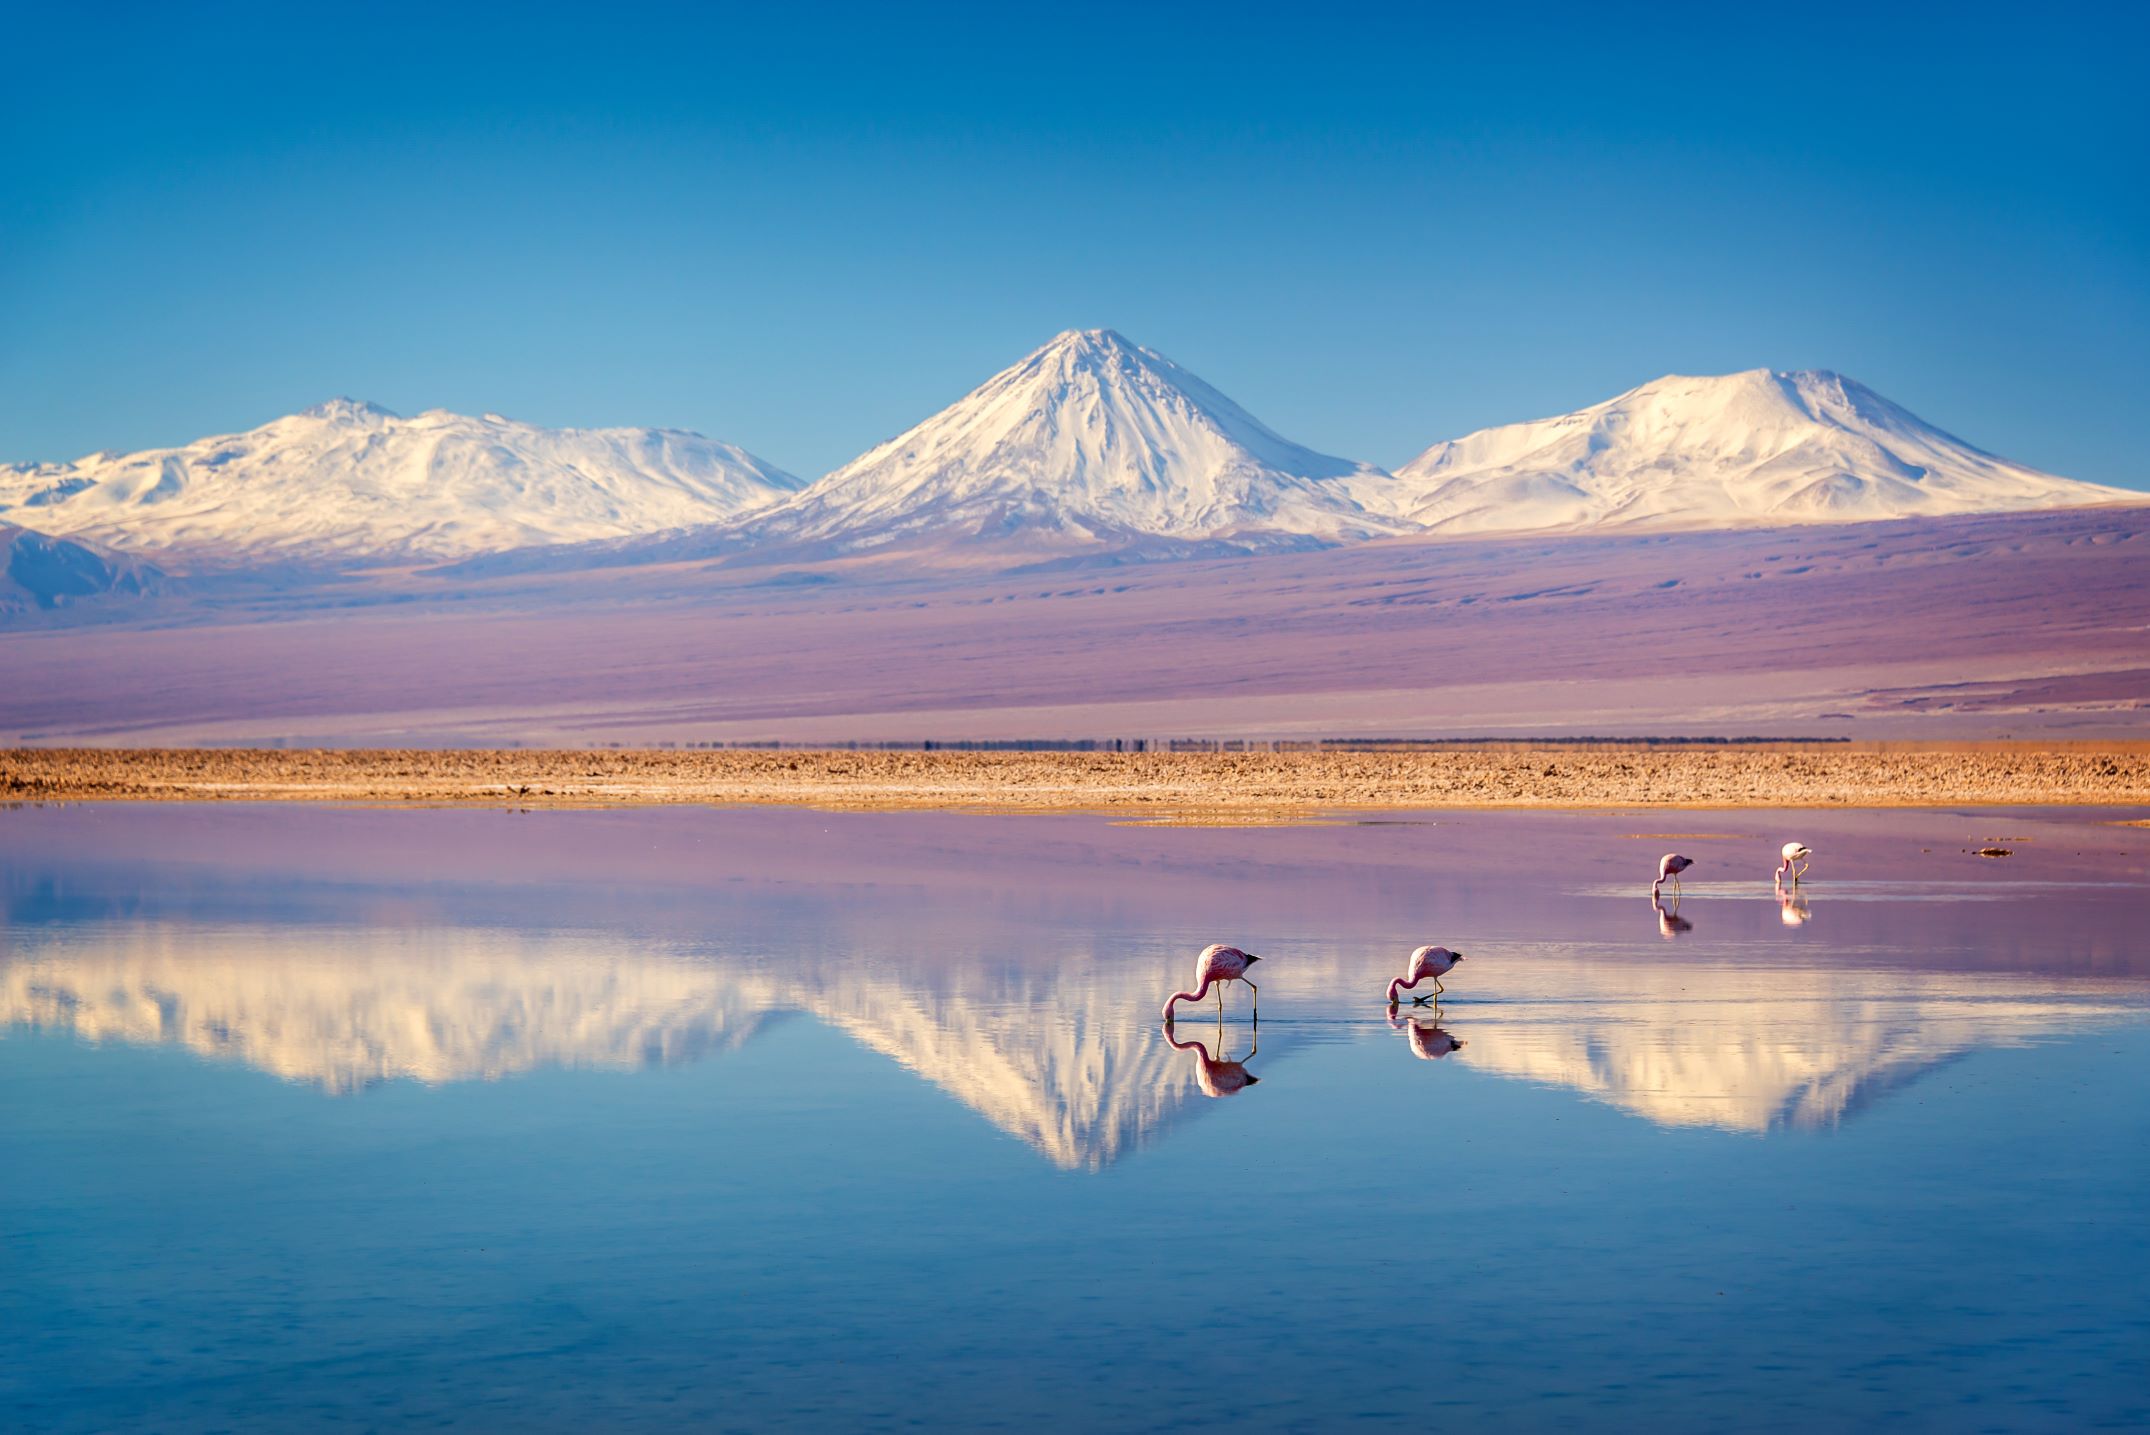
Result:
[
  {"x": 1089, "y": 450},
  {"x": 347, "y": 481}
]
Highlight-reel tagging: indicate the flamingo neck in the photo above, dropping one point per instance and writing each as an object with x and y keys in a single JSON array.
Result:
[
  {"x": 1194, "y": 996},
  {"x": 1399, "y": 985}
]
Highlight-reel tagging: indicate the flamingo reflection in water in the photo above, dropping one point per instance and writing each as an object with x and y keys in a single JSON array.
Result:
[
  {"x": 1429, "y": 1040},
  {"x": 1217, "y": 965},
  {"x": 1670, "y": 923},
  {"x": 1215, "y": 1075},
  {"x": 1792, "y": 906}
]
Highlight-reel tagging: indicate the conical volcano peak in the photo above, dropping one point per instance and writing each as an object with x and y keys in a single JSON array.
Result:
[
  {"x": 1088, "y": 442},
  {"x": 1093, "y": 351},
  {"x": 1090, "y": 339}
]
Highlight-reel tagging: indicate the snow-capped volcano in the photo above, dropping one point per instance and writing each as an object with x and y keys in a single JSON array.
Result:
[
  {"x": 347, "y": 481},
  {"x": 1089, "y": 441},
  {"x": 1755, "y": 448}
]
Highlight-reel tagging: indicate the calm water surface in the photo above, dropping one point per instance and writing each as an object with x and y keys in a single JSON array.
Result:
[{"x": 352, "y": 1119}]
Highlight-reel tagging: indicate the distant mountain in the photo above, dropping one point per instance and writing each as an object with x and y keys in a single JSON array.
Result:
[
  {"x": 351, "y": 482},
  {"x": 37, "y": 571},
  {"x": 1089, "y": 446},
  {"x": 1749, "y": 449},
  {"x": 1089, "y": 440},
  {"x": 1091, "y": 449}
]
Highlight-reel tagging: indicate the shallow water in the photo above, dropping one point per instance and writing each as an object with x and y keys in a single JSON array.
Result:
[{"x": 349, "y": 1119}]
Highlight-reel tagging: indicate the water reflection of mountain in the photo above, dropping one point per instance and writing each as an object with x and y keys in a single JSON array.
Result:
[
  {"x": 1755, "y": 1048},
  {"x": 1065, "y": 1055}
]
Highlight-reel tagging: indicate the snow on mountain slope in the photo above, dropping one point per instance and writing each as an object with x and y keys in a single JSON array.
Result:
[
  {"x": 351, "y": 482},
  {"x": 1089, "y": 441},
  {"x": 1747, "y": 449}
]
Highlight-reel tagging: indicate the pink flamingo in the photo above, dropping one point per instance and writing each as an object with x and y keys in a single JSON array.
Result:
[
  {"x": 1215, "y": 1077},
  {"x": 1795, "y": 857},
  {"x": 1428, "y": 1042},
  {"x": 1434, "y": 962},
  {"x": 1669, "y": 868},
  {"x": 1217, "y": 965}
]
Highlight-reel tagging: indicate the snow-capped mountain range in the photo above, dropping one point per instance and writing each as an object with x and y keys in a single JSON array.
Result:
[
  {"x": 1090, "y": 446},
  {"x": 350, "y": 481}
]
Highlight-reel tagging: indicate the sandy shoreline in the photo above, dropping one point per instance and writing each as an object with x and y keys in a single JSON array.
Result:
[{"x": 1156, "y": 785}]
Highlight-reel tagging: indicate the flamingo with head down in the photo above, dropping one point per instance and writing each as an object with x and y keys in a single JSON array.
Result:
[
  {"x": 1669, "y": 868},
  {"x": 1217, "y": 965},
  {"x": 1795, "y": 861},
  {"x": 1427, "y": 963}
]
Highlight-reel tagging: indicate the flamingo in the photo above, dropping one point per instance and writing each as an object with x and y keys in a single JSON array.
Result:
[
  {"x": 1217, "y": 965},
  {"x": 1428, "y": 1042},
  {"x": 1434, "y": 962},
  {"x": 1216, "y": 1077},
  {"x": 1669, "y": 868},
  {"x": 1795, "y": 856}
]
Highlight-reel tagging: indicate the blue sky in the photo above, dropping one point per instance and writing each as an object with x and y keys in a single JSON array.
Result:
[{"x": 803, "y": 231}]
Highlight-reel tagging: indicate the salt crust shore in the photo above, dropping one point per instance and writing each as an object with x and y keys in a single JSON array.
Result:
[{"x": 1182, "y": 786}]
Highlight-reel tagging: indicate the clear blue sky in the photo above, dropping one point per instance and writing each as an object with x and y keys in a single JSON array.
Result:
[{"x": 803, "y": 231}]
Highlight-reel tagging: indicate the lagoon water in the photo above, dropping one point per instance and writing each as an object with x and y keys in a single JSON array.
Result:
[{"x": 348, "y": 1119}]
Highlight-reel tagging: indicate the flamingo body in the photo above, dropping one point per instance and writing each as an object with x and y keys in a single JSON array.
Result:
[
  {"x": 1427, "y": 963},
  {"x": 1669, "y": 868},
  {"x": 1795, "y": 857},
  {"x": 1216, "y": 965}
]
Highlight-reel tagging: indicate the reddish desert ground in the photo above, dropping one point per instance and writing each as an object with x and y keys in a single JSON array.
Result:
[{"x": 2026, "y": 626}]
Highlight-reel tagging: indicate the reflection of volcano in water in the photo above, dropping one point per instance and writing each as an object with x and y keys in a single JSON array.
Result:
[
  {"x": 1755, "y": 1049},
  {"x": 1065, "y": 1055},
  {"x": 349, "y": 1010}
]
